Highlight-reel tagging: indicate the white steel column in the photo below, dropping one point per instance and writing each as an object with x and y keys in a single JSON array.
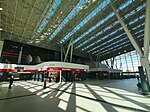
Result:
[
  {"x": 112, "y": 62},
  {"x": 144, "y": 59},
  {"x": 20, "y": 55},
  {"x": 60, "y": 76},
  {"x": 91, "y": 60},
  {"x": 71, "y": 52},
  {"x": 66, "y": 55},
  {"x": 143, "y": 55},
  {"x": 61, "y": 53},
  {"x": 131, "y": 38},
  {"x": 120, "y": 63},
  {"x": 147, "y": 29},
  {"x": 107, "y": 63}
]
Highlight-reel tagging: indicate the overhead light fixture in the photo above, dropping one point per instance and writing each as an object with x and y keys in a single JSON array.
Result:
[
  {"x": 94, "y": 0},
  {"x": 1, "y": 9},
  {"x": 1, "y": 29}
]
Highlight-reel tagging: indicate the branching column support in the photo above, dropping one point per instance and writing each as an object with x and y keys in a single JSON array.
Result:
[
  {"x": 143, "y": 55},
  {"x": 131, "y": 38},
  {"x": 144, "y": 59},
  {"x": 71, "y": 52},
  {"x": 112, "y": 62},
  {"x": 107, "y": 63},
  {"x": 61, "y": 53},
  {"x": 91, "y": 60},
  {"x": 69, "y": 45},
  {"x": 20, "y": 55}
]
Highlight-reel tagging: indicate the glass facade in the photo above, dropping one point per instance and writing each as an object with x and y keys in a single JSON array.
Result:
[{"x": 127, "y": 62}]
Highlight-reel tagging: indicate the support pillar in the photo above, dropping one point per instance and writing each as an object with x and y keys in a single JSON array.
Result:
[
  {"x": 112, "y": 62},
  {"x": 107, "y": 63},
  {"x": 71, "y": 52},
  {"x": 131, "y": 38},
  {"x": 91, "y": 60},
  {"x": 120, "y": 63},
  {"x": 61, "y": 53},
  {"x": 145, "y": 63},
  {"x": 20, "y": 55},
  {"x": 143, "y": 55},
  {"x": 147, "y": 29},
  {"x": 60, "y": 76},
  {"x": 144, "y": 59},
  {"x": 66, "y": 55}
]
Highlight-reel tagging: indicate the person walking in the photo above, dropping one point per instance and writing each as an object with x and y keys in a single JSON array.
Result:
[
  {"x": 44, "y": 87},
  {"x": 11, "y": 81}
]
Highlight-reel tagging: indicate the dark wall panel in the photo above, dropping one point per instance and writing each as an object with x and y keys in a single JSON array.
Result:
[{"x": 11, "y": 49}]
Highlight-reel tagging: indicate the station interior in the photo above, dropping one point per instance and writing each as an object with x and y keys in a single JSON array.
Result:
[{"x": 74, "y": 55}]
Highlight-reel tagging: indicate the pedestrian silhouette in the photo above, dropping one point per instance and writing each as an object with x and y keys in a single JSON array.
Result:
[{"x": 11, "y": 81}]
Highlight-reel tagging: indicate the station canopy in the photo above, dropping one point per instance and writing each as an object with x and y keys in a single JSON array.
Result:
[{"x": 90, "y": 25}]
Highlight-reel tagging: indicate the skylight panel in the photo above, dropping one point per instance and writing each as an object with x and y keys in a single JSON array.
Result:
[
  {"x": 93, "y": 28},
  {"x": 115, "y": 47},
  {"x": 139, "y": 31},
  {"x": 89, "y": 17},
  {"x": 126, "y": 4},
  {"x": 135, "y": 20},
  {"x": 138, "y": 26},
  {"x": 100, "y": 22},
  {"x": 131, "y": 13},
  {"x": 134, "y": 11},
  {"x": 70, "y": 15},
  {"x": 103, "y": 38},
  {"x": 49, "y": 14},
  {"x": 105, "y": 42},
  {"x": 140, "y": 7}
]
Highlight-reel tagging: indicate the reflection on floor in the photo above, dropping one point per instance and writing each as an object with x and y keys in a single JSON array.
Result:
[{"x": 86, "y": 96}]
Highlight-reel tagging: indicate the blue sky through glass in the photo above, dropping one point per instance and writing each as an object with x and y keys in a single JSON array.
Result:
[
  {"x": 98, "y": 24},
  {"x": 94, "y": 36},
  {"x": 49, "y": 14},
  {"x": 105, "y": 43},
  {"x": 123, "y": 40},
  {"x": 114, "y": 38},
  {"x": 70, "y": 15},
  {"x": 91, "y": 29},
  {"x": 132, "y": 59},
  {"x": 89, "y": 17},
  {"x": 94, "y": 27}
]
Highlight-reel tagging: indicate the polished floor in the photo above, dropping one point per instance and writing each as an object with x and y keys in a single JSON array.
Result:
[{"x": 86, "y": 96}]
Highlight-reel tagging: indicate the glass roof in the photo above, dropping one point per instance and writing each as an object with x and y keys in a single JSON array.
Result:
[
  {"x": 91, "y": 26},
  {"x": 89, "y": 17},
  {"x": 49, "y": 14},
  {"x": 70, "y": 15},
  {"x": 105, "y": 32}
]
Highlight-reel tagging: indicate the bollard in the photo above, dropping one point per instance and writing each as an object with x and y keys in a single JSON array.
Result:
[{"x": 44, "y": 84}]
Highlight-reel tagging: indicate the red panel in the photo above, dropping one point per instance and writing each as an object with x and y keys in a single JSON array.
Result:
[
  {"x": 7, "y": 70},
  {"x": 30, "y": 70},
  {"x": 53, "y": 69}
]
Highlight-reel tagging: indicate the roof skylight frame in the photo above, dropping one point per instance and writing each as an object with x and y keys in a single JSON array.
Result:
[
  {"x": 86, "y": 19},
  {"x": 48, "y": 16}
]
